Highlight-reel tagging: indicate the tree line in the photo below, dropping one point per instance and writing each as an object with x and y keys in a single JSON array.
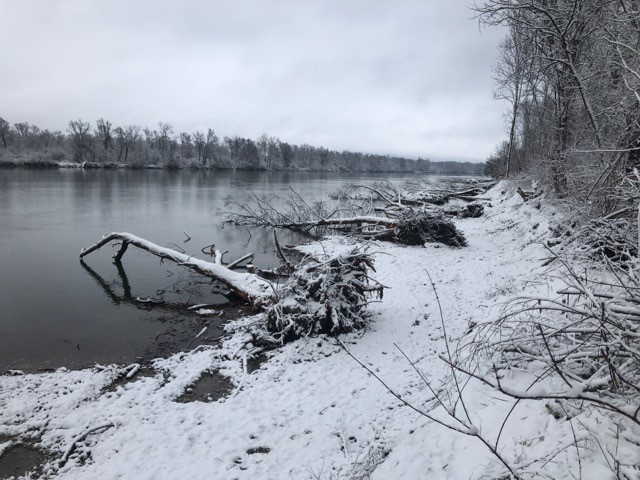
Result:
[
  {"x": 102, "y": 144},
  {"x": 570, "y": 73}
]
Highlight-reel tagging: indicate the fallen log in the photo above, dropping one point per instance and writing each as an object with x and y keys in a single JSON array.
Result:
[
  {"x": 247, "y": 286},
  {"x": 409, "y": 228},
  {"x": 471, "y": 210}
]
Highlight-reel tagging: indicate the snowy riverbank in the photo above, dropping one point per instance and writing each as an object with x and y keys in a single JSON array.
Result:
[{"x": 311, "y": 411}]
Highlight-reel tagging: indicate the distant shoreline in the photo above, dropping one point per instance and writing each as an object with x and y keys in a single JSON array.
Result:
[{"x": 50, "y": 164}]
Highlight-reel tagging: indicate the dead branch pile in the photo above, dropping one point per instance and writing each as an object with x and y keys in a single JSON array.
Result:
[
  {"x": 327, "y": 296},
  {"x": 421, "y": 228},
  {"x": 585, "y": 341},
  {"x": 444, "y": 190},
  {"x": 609, "y": 238},
  {"x": 416, "y": 192},
  {"x": 280, "y": 211},
  {"x": 615, "y": 239},
  {"x": 471, "y": 210}
]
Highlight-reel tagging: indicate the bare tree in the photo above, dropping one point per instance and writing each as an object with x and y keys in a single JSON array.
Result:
[
  {"x": 5, "y": 128},
  {"x": 200, "y": 142},
  {"x": 104, "y": 135},
  {"x": 80, "y": 133},
  {"x": 510, "y": 72},
  {"x": 210, "y": 145},
  {"x": 165, "y": 130},
  {"x": 185, "y": 145},
  {"x": 569, "y": 69}
]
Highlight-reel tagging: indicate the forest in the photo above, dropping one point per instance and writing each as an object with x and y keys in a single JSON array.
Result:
[
  {"x": 570, "y": 73},
  {"x": 103, "y": 145}
]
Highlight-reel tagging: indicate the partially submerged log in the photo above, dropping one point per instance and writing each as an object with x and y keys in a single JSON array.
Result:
[
  {"x": 247, "y": 286},
  {"x": 322, "y": 295}
]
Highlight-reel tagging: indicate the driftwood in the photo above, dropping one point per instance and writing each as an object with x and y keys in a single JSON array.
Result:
[
  {"x": 416, "y": 194},
  {"x": 409, "y": 229},
  {"x": 247, "y": 286}
]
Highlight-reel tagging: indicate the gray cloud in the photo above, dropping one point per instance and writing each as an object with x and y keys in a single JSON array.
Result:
[{"x": 407, "y": 77}]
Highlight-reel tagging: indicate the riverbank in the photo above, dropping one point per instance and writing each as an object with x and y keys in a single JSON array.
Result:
[
  {"x": 311, "y": 411},
  {"x": 6, "y": 163},
  {"x": 48, "y": 163}
]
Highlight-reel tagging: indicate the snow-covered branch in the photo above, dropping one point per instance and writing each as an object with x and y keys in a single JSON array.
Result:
[{"x": 248, "y": 286}]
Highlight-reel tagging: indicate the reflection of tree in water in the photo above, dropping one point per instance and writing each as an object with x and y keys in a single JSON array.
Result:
[{"x": 185, "y": 285}]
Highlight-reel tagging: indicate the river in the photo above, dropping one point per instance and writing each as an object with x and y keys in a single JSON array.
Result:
[{"x": 55, "y": 311}]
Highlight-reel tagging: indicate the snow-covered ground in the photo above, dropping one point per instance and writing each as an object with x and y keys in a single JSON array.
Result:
[{"x": 311, "y": 411}]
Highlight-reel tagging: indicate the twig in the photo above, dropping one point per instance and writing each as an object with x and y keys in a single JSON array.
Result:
[
  {"x": 79, "y": 438},
  {"x": 281, "y": 254},
  {"x": 244, "y": 258},
  {"x": 177, "y": 247}
]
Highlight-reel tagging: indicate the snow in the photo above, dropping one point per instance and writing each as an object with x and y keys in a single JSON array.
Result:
[{"x": 310, "y": 411}]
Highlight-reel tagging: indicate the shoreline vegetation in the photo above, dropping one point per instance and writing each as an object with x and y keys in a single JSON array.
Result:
[
  {"x": 105, "y": 146},
  {"x": 471, "y": 170}
]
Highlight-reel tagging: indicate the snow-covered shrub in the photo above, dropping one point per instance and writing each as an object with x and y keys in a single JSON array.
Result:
[
  {"x": 588, "y": 334},
  {"x": 614, "y": 239},
  {"x": 322, "y": 296},
  {"x": 580, "y": 348}
]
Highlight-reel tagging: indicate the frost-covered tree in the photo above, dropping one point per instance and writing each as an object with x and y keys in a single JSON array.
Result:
[
  {"x": 5, "y": 128},
  {"x": 104, "y": 135},
  {"x": 570, "y": 70},
  {"x": 80, "y": 135}
]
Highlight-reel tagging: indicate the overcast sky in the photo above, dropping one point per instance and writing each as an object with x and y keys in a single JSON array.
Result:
[{"x": 405, "y": 77}]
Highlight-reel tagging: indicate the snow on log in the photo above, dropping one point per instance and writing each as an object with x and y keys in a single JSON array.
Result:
[{"x": 248, "y": 286}]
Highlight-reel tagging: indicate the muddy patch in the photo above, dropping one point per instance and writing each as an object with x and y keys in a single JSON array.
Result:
[
  {"x": 177, "y": 331},
  {"x": 211, "y": 386},
  {"x": 192, "y": 330},
  {"x": 255, "y": 450},
  {"x": 19, "y": 460}
]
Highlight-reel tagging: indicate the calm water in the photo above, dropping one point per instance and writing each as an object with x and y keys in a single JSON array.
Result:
[{"x": 56, "y": 312}]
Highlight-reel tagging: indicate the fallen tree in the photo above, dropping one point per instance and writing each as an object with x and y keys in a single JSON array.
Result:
[
  {"x": 416, "y": 192},
  {"x": 325, "y": 295},
  {"x": 247, "y": 286},
  {"x": 385, "y": 215}
]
